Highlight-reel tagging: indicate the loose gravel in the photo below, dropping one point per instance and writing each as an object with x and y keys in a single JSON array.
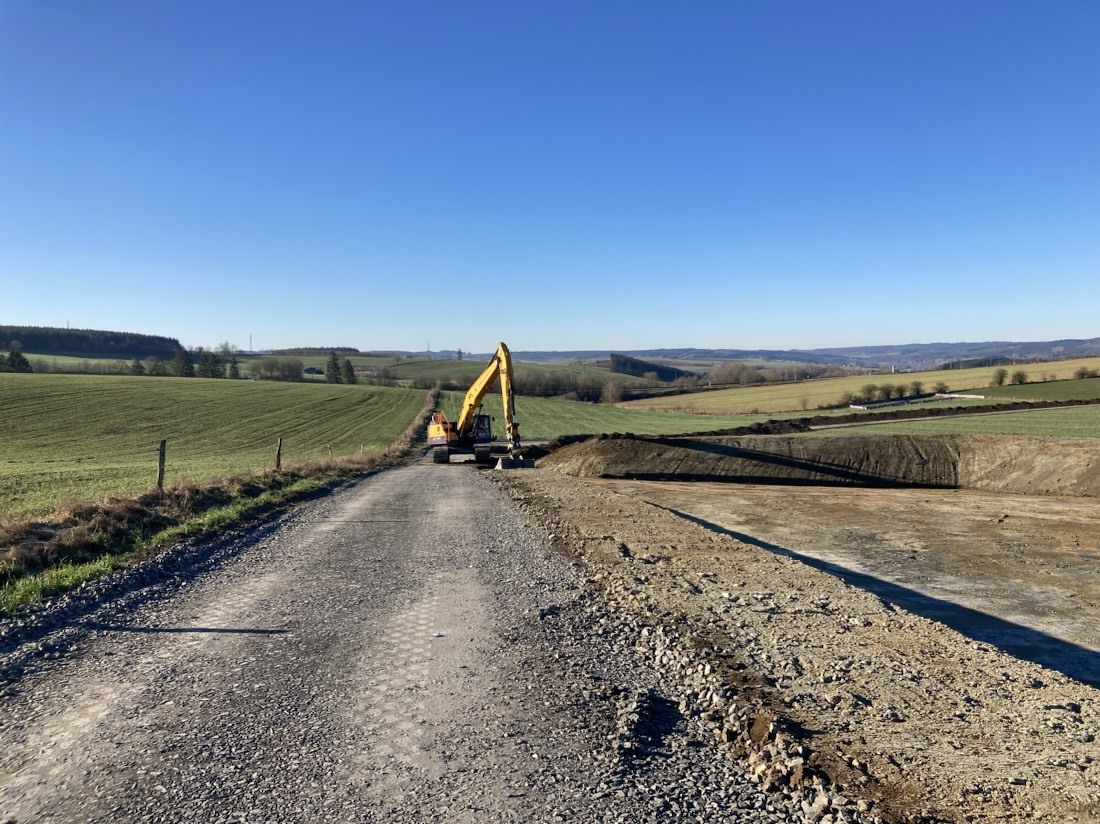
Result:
[
  {"x": 407, "y": 649},
  {"x": 815, "y": 681}
]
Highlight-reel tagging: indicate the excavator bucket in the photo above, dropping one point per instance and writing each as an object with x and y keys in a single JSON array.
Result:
[{"x": 515, "y": 463}]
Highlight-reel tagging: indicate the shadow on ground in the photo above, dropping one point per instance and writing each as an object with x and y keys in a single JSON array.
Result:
[
  {"x": 215, "y": 630},
  {"x": 1025, "y": 643}
]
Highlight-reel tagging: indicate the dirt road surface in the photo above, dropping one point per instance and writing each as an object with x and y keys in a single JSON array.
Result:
[
  {"x": 933, "y": 650},
  {"x": 407, "y": 649},
  {"x": 1017, "y": 571}
]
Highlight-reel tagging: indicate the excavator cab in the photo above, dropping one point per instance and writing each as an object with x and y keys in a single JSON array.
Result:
[
  {"x": 483, "y": 429},
  {"x": 445, "y": 436}
]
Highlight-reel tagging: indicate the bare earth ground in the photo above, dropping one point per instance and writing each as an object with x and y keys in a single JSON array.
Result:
[
  {"x": 1019, "y": 572},
  {"x": 936, "y": 651}
]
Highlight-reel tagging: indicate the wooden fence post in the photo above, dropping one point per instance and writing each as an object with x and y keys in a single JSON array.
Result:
[
  {"x": 160, "y": 465},
  {"x": 279, "y": 455}
]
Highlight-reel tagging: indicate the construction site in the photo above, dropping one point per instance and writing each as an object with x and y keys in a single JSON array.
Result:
[{"x": 913, "y": 619}]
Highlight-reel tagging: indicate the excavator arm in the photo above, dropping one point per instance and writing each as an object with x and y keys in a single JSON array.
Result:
[
  {"x": 472, "y": 430},
  {"x": 500, "y": 366}
]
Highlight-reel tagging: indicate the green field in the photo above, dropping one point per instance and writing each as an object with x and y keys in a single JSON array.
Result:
[
  {"x": 1065, "y": 422},
  {"x": 81, "y": 437},
  {"x": 544, "y": 418},
  {"x": 466, "y": 371},
  {"x": 405, "y": 370},
  {"x": 84, "y": 436},
  {"x": 1080, "y": 389},
  {"x": 809, "y": 395}
]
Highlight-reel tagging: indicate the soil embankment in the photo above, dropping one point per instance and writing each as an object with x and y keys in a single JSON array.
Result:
[
  {"x": 1018, "y": 465},
  {"x": 896, "y": 643}
]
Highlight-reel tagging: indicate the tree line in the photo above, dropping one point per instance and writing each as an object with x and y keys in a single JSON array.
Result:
[
  {"x": 48, "y": 340},
  {"x": 317, "y": 350},
  {"x": 872, "y": 392},
  {"x": 626, "y": 365}
]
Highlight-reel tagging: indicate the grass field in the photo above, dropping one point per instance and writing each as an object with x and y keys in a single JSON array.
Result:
[
  {"x": 402, "y": 369},
  {"x": 466, "y": 371},
  {"x": 1067, "y": 422},
  {"x": 84, "y": 436},
  {"x": 809, "y": 395},
  {"x": 1082, "y": 389},
  {"x": 541, "y": 418},
  {"x": 81, "y": 437}
]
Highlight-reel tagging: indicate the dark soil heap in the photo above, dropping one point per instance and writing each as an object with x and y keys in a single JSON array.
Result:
[{"x": 995, "y": 463}]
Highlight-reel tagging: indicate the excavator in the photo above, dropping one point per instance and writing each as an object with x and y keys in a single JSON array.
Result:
[{"x": 473, "y": 430}]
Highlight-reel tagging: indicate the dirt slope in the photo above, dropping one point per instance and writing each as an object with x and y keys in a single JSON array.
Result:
[{"x": 1029, "y": 466}]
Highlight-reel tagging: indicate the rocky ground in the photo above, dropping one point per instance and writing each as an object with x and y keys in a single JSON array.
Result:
[
  {"x": 407, "y": 649},
  {"x": 823, "y": 679}
]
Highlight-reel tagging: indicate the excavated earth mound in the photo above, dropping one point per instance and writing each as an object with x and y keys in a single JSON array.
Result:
[{"x": 1028, "y": 466}]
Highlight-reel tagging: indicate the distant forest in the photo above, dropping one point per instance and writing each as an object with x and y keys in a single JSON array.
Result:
[
  {"x": 626, "y": 365},
  {"x": 88, "y": 343},
  {"x": 317, "y": 350}
]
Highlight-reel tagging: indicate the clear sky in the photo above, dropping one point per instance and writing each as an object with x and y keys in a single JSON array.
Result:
[{"x": 565, "y": 174}]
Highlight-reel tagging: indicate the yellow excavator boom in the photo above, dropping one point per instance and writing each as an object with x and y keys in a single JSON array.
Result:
[
  {"x": 500, "y": 366},
  {"x": 473, "y": 430}
]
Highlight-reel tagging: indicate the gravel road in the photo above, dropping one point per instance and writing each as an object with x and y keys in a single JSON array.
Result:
[{"x": 404, "y": 649}]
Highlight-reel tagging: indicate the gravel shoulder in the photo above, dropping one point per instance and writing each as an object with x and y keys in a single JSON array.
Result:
[{"x": 893, "y": 708}]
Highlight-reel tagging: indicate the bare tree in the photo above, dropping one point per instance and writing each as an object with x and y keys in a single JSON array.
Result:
[
  {"x": 1019, "y": 377},
  {"x": 686, "y": 382},
  {"x": 999, "y": 377},
  {"x": 612, "y": 391}
]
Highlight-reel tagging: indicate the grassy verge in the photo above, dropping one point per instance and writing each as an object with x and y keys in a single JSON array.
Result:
[{"x": 86, "y": 541}]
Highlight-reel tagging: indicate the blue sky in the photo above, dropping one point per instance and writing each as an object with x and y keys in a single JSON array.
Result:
[{"x": 558, "y": 175}]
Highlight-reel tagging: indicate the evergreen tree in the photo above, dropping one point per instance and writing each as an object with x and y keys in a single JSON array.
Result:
[
  {"x": 234, "y": 368},
  {"x": 182, "y": 367},
  {"x": 156, "y": 368},
  {"x": 4, "y": 365},
  {"x": 17, "y": 362},
  {"x": 332, "y": 368},
  {"x": 137, "y": 367},
  {"x": 349, "y": 372},
  {"x": 210, "y": 366}
]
